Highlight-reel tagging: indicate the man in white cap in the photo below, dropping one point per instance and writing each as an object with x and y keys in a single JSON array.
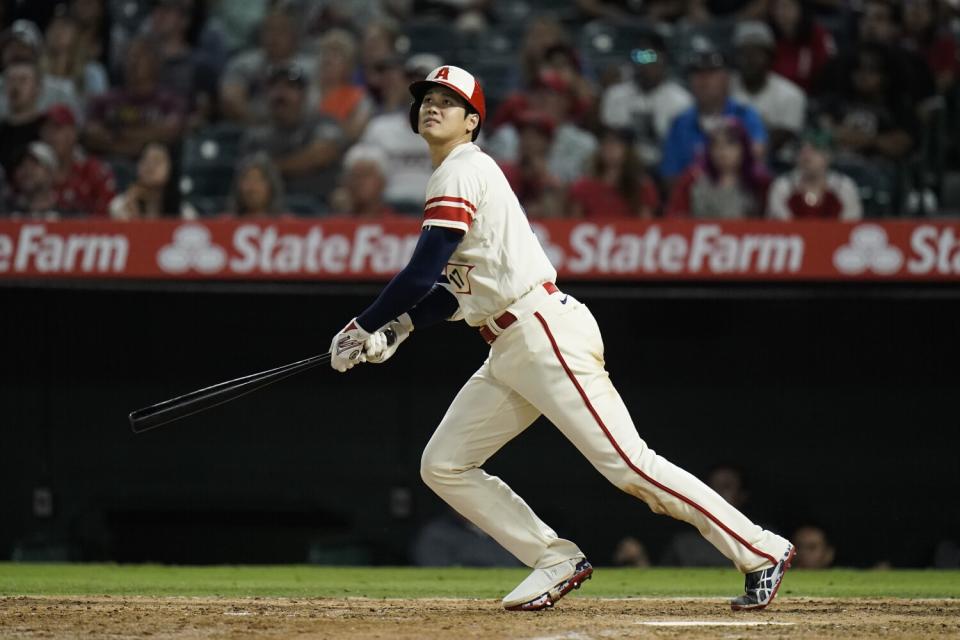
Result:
[{"x": 546, "y": 358}]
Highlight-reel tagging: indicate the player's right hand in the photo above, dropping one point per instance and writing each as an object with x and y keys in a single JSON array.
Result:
[
  {"x": 377, "y": 349},
  {"x": 346, "y": 349}
]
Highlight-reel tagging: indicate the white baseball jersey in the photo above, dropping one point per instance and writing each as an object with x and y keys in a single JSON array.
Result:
[{"x": 499, "y": 258}]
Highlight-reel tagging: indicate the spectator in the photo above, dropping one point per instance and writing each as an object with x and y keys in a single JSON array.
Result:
[
  {"x": 689, "y": 548},
  {"x": 340, "y": 98},
  {"x": 183, "y": 70},
  {"x": 907, "y": 74},
  {"x": 803, "y": 46},
  {"x": 728, "y": 183},
  {"x": 563, "y": 61},
  {"x": 946, "y": 555},
  {"x": 361, "y": 191},
  {"x": 380, "y": 43},
  {"x": 68, "y": 59},
  {"x": 812, "y": 189},
  {"x": 93, "y": 25},
  {"x": 407, "y": 157},
  {"x": 630, "y": 552},
  {"x": 20, "y": 124},
  {"x": 814, "y": 550},
  {"x": 22, "y": 42},
  {"x": 257, "y": 188},
  {"x": 571, "y": 147},
  {"x": 539, "y": 191},
  {"x": 543, "y": 32},
  {"x": 155, "y": 193},
  {"x": 305, "y": 148},
  {"x": 924, "y": 34},
  {"x": 868, "y": 117},
  {"x": 243, "y": 88},
  {"x": 781, "y": 104},
  {"x": 710, "y": 85},
  {"x": 34, "y": 195},
  {"x": 84, "y": 184},
  {"x": 450, "y": 540},
  {"x": 618, "y": 185},
  {"x": 648, "y": 102},
  {"x": 121, "y": 122}
]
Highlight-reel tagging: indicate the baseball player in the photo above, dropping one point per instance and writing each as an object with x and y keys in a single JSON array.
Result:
[{"x": 478, "y": 260}]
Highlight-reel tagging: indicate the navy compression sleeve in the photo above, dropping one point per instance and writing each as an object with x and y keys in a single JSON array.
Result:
[
  {"x": 433, "y": 251},
  {"x": 436, "y": 307}
]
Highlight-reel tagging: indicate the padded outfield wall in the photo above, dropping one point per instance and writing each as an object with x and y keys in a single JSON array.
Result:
[{"x": 840, "y": 401}]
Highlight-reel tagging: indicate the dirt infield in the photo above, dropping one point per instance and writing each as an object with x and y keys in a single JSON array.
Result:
[{"x": 574, "y": 619}]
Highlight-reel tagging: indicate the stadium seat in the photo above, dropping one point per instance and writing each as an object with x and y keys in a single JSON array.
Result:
[
  {"x": 604, "y": 45},
  {"x": 717, "y": 32},
  {"x": 431, "y": 36},
  {"x": 305, "y": 204},
  {"x": 877, "y": 183},
  {"x": 208, "y": 161}
]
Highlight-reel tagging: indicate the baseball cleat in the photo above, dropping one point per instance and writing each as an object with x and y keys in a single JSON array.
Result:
[
  {"x": 760, "y": 587},
  {"x": 543, "y": 587}
]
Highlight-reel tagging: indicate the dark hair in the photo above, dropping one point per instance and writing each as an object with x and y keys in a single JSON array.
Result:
[
  {"x": 170, "y": 205},
  {"x": 565, "y": 50},
  {"x": 752, "y": 173},
  {"x": 632, "y": 173},
  {"x": 804, "y": 24}
]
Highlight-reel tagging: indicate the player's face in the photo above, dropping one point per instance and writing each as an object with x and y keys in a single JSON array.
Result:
[{"x": 443, "y": 116}]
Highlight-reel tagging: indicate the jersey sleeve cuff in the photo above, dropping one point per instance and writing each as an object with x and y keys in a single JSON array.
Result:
[{"x": 449, "y": 224}]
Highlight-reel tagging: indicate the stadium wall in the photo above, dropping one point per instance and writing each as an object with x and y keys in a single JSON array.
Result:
[{"x": 839, "y": 403}]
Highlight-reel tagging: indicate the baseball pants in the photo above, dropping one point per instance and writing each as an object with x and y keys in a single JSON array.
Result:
[{"x": 550, "y": 362}]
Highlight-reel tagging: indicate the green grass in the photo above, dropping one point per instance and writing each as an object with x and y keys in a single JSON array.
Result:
[{"x": 333, "y": 582}]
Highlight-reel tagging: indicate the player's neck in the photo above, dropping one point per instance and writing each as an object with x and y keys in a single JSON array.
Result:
[{"x": 440, "y": 150}]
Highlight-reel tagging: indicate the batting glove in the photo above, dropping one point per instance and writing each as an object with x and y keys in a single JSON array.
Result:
[
  {"x": 377, "y": 348},
  {"x": 346, "y": 349}
]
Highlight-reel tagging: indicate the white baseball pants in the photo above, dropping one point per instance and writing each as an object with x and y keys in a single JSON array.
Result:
[{"x": 551, "y": 362}]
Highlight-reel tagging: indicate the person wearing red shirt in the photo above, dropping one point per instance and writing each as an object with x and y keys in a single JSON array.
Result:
[
  {"x": 540, "y": 191},
  {"x": 84, "y": 184},
  {"x": 812, "y": 190},
  {"x": 618, "y": 185},
  {"x": 803, "y": 46}
]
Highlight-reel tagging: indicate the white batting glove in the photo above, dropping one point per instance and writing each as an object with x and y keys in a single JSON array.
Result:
[
  {"x": 376, "y": 348},
  {"x": 346, "y": 349}
]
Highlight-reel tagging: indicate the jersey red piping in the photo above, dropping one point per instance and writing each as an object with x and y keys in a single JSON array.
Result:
[
  {"x": 453, "y": 214},
  {"x": 623, "y": 456},
  {"x": 452, "y": 199}
]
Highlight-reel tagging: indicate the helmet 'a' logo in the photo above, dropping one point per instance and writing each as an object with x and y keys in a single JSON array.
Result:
[{"x": 442, "y": 73}]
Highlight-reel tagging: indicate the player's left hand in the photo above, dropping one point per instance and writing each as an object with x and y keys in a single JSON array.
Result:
[
  {"x": 346, "y": 349},
  {"x": 378, "y": 349}
]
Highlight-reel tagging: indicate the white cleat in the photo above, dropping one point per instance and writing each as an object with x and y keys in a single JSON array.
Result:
[{"x": 543, "y": 587}]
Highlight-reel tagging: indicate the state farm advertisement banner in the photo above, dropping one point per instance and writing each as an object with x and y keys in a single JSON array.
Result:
[{"x": 342, "y": 249}]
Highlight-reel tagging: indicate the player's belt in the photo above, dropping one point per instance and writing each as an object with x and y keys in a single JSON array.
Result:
[{"x": 506, "y": 318}]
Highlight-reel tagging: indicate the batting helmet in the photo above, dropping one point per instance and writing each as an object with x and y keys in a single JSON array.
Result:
[{"x": 461, "y": 81}]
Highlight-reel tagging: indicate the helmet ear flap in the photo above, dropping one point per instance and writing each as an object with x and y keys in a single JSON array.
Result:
[{"x": 415, "y": 116}]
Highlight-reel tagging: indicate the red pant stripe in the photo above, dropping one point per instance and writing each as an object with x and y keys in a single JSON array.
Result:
[{"x": 623, "y": 456}]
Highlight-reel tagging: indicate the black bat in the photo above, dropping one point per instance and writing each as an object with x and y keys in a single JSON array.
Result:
[{"x": 202, "y": 399}]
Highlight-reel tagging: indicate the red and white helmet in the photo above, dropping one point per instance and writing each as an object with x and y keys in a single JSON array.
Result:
[{"x": 461, "y": 81}]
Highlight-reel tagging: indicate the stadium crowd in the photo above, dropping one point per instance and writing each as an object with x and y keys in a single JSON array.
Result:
[{"x": 782, "y": 109}]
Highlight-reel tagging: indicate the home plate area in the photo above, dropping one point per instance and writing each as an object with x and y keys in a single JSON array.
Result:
[{"x": 575, "y": 618}]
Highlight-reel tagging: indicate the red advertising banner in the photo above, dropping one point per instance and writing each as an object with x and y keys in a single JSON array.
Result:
[{"x": 334, "y": 249}]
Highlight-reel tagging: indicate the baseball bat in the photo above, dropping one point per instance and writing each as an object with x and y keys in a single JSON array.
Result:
[{"x": 159, "y": 414}]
